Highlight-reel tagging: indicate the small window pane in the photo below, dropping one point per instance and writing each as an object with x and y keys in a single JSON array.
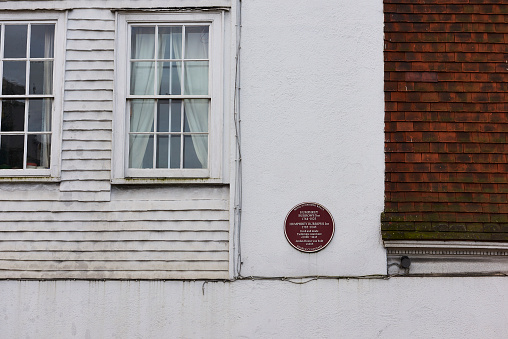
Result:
[
  {"x": 169, "y": 114},
  {"x": 41, "y": 41},
  {"x": 11, "y": 151},
  {"x": 196, "y": 42},
  {"x": 141, "y": 116},
  {"x": 169, "y": 78},
  {"x": 196, "y": 77},
  {"x": 140, "y": 151},
  {"x": 143, "y": 43},
  {"x": 15, "y": 41},
  {"x": 38, "y": 150},
  {"x": 195, "y": 151},
  {"x": 13, "y": 115},
  {"x": 168, "y": 148},
  {"x": 41, "y": 77},
  {"x": 14, "y": 77},
  {"x": 142, "y": 78},
  {"x": 170, "y": 43},
  {"x": 196, "y": 115},
  {"x": 39, "y": 115}
]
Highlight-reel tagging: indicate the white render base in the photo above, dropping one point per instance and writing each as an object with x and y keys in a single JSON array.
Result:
[{"x": 403, "y": 307}]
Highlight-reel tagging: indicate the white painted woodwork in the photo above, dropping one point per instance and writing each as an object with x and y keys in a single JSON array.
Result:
[
  {"x": 110, "y": 4},
  {"x": 83, "y": 227},
  {"x": 87, "y": 145}
]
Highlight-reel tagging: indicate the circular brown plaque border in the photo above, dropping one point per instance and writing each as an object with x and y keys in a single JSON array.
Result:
[{"x": 316, "y": 205}]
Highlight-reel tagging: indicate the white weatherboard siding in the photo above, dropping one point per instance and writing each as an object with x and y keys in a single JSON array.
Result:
[
  {"x": 88, "y": 106},
  {"x": 180, "y": 234},
  {"x": 85, "y": 228}
]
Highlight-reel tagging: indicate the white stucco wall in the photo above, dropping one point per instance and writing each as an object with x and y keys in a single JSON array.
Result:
[
  {"x": 312, "y": 131},
  {"x": 396, "y": 308}
]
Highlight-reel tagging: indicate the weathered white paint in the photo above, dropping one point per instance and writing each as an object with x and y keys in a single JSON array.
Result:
[
  {"x": 312, "y": 131},
  {"x": 395, "y": 308}
]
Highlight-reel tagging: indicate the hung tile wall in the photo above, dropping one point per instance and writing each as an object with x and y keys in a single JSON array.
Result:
[{"x": 446, "y": 120}]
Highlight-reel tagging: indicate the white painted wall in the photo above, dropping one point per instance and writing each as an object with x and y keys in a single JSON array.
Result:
[
  {"x": 396, "y": 308},
  {"x": 312, "y": 131}
]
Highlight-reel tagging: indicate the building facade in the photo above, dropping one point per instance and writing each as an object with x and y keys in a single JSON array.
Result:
[{"x": 151, "y": 151}]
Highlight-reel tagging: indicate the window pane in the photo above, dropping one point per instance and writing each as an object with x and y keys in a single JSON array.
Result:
[
  {"x": 38, "y": 151},
  {"x": 13, "y": 115},
  {"x": 41, "y": 77},
  {"x": 196, "y": 42},
  {"x": 140, "y": 151},
  {"x": 11, "y": 151},
  {"x": 41, "y": 41},
  {"x": 39, "y": 115},
  {"x": 141, "y": 117},
  {"x": 195, "y": 151},
  {"x": 14, "y": 77},
  {"x": 195, "y": 115},
  {"x": 169, "y": 78},
  {"x": 143, "y": 43},
  {"x": 15, "y": 41},
  {"x": 196, "y": 77},
  {"x": 168, "y": 147},
  {"x": 169, "y": 115},
  {"x": 142, "y": 78},
  {"x": 170, "y": 43}
]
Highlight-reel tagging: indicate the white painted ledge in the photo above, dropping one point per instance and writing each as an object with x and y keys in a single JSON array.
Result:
[{"x": 447, "y": 257}]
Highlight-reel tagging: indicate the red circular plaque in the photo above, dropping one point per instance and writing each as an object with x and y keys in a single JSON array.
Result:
[{"x": 309, "y": 227}]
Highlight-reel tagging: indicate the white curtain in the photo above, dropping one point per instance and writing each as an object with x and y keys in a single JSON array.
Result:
[
  {"x": 196, "y": 82},
  {"x": 142, "y": 112},
  {"x": 47, "y": 89},
  {"x": 142, "y": 82}
]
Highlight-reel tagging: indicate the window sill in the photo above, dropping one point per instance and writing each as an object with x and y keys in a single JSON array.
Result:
[
  {"x": 165, "y": 181},
  {"x": 28, "y": 179},
  {"x": 447, "y": 257}
]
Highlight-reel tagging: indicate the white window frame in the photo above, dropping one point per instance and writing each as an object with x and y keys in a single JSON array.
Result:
[
  {"x": 121, "y": 173},
  {"x": 57, "y": 18}
]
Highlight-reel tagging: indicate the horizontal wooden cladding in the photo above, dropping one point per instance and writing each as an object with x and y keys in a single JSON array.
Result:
[
  {"x": 83, "y": 95},
  {"x": 117, "y": 216},
  {"x": 86, "y": 165},
  {"x": 168, "y": 193},
  {"x": 98, "y": 265},
  {"x": 110, "y": 246},
  {"x": 87, "y": 154},
  {"x": 84, "y": 135},
  {"x": 90, "y": 44},
  {"x": 116, "y": 236},
  {"x": 170, "y": 256},
  {"x": 92, "y": 25},
  {"x": 111, "y": 226},
  {"x": 210, "y": 204},
  {"x": 80, "y": 145},
  {"x": 89, "y": 75},
  {"x": 137, "y": 274},
  {"x": 87, "y": 125},
  {"x": 90, "y": 65},
  {"x": 90, "y": 8},
  {"x": 92, "y": 185},
  {"x": 89, "y": 85}
]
